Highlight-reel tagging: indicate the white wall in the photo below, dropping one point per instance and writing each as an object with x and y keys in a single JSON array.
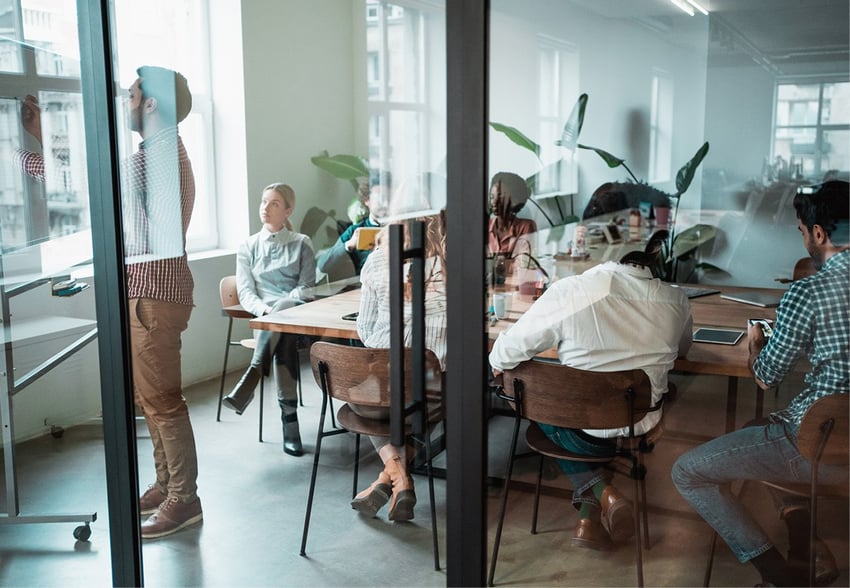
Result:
[
  {"x": 616, "y": 60},
  {"x": 305, "y": 89}
]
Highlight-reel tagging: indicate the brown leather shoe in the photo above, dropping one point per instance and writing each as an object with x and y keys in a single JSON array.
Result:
[
  {"x": 590, "y": 534},
  {"x": 171, "y": 516},
  {"x": 617, "y": 514},
  {"x": 826, "y": 568},
  {"x": 370, "y": 500},
  {"x": 404, "y": 496},
  {"x": 150, "y": 500}
]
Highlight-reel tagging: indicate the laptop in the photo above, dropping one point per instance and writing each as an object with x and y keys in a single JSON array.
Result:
[{"x": 763, "y": 299}]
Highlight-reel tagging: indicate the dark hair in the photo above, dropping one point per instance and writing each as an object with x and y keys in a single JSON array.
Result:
[
  {"x": 170, "y": 88},
  {"x": 515, "y": 187},
  {"x": 827, "y": 205}
]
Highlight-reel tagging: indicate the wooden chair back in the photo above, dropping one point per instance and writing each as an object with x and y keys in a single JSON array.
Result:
[
  {"x": 833, "y": 408},
  {"x": 361, "y": 375},
  {"x": 230, "y": 298},
  {"x": 577, "y": 399},
  {"x": 804, "y": 268}
]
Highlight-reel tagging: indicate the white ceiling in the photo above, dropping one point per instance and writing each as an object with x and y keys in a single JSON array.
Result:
[{"x": 789, "y": 37}]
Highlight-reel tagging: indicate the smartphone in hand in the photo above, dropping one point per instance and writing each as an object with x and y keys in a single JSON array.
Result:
[{"x": 766, "y": 325}]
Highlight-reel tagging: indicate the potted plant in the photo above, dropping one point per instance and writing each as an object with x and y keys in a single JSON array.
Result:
[
  {"x": 350, "y": 168},
  {"x": 568, "y": 140},
  {"x": 662, "y": 242}
]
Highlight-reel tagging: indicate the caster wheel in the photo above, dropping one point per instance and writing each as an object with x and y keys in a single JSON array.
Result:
[{"x": 82, "y": 533}]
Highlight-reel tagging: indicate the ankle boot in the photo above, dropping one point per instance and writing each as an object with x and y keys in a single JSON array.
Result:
[
  {"x": 289, "y": 425},
  {"x": 243, "y": 393},
  {"x": 404, "y": 497},
  {"x": 370, "y": 500}
]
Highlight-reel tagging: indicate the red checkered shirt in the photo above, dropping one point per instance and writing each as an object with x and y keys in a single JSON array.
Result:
[
  {"x": 158, "y": 193},
  {"x": 31, "y": 163}
]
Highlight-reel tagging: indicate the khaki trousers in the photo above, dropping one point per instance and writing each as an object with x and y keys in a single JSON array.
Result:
[{"x": 155, "y": 328}]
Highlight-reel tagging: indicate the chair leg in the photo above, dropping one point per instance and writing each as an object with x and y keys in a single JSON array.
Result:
[
  {"x": 433, "y": 517},
  {"x": 498, "y": 539},
  {"x": 310, "y": 493},
  {"x": 537, "y": 496},
  {"x": 706, "y": 579},
  {"x": 224, "y": 368},
  {"x": 262, "y": 384},
  {"x": 356, "y": 465},
  {"x": 638, "y": 547},
  {"x": 645, "y": 516}
]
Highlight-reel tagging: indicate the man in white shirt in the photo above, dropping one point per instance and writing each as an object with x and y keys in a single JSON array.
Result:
[{"x": 613, "y": 317}]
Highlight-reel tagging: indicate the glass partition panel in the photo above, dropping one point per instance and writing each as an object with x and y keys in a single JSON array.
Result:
[
  {"x": 611, "y": 122},
  {"x": 54, "y": 484}
]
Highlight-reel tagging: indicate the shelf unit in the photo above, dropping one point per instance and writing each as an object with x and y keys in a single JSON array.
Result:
[{"x": 31, "y": 331}]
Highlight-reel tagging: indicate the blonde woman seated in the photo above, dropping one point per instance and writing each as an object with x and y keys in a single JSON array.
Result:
[
  {"x": 394, "y": 484},
  {"x": 275, "y": 269}
]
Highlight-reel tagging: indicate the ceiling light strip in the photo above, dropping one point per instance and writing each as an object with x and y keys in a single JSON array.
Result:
[
  {"x": 682, "y": 6},
  {"x": 698, "y": 6}
]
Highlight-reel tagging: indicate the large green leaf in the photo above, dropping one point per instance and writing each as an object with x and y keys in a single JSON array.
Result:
[
  {"x": 572, "y": 128},
  {"x": 686, "y": 174},
  {"x": 611, "y": 160},
  {"x": 343, "y": 167},
  {"x": 517, "y": 137}
]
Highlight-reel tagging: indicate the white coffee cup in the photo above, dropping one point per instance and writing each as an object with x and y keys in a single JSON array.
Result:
[{"x": 499, "y": 306}]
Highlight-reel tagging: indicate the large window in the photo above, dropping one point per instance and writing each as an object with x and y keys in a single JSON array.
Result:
[
  {"x": 406, "y": 104},
  {"x": 558, "y": 77},
  {"x": 812, "y": 127},
  {"x": 661, "y": 127},
  {"x": 39, "y": 56},
  {"x": 175, "y": 34}
]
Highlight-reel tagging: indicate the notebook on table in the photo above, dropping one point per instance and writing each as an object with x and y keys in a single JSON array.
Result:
[{"x": 763, "y": 299}]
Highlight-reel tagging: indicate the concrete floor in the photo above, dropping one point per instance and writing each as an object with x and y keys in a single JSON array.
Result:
[{"x": 254, "y": 497}]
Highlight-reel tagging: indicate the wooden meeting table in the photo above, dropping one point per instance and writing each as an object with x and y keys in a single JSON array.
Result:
[{"x": 323, "y": 318}]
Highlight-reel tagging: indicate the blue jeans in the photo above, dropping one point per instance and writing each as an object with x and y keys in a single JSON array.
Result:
[
  {"x": 582, "y": 475},
  {"x": 769, "y": 452}
]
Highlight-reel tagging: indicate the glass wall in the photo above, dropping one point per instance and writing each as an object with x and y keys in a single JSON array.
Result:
[
  {"x": 50, "y": 388},
  {"x": 659, "y": 83},
  {"x": 347, "y": 103}
]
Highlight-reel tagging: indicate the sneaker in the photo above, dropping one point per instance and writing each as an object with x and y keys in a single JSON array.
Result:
[
  {"x": 150, "y": 500},
  {"x": 171, "y": 516}
]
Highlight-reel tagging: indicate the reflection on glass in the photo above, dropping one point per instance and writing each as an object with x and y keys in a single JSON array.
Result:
[
  {"x": 660, "y": 83},
  {"x": 406, "y": 85},
  {"x": 174, "y": 32},
  {"x": 51, "y": 29},
  {"x": 42, "y": 143}
]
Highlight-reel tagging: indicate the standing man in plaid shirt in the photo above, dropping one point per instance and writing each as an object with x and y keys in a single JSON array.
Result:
[
  {"x": 158, "y": 193},
  {"x": 812, "y": 318}
]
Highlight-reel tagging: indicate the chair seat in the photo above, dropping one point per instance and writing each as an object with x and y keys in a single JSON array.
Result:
[
  {"x": 248, "y": 343},
  {"x": 539, "y": 442},
  {"x": 355, "y": 423}
]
